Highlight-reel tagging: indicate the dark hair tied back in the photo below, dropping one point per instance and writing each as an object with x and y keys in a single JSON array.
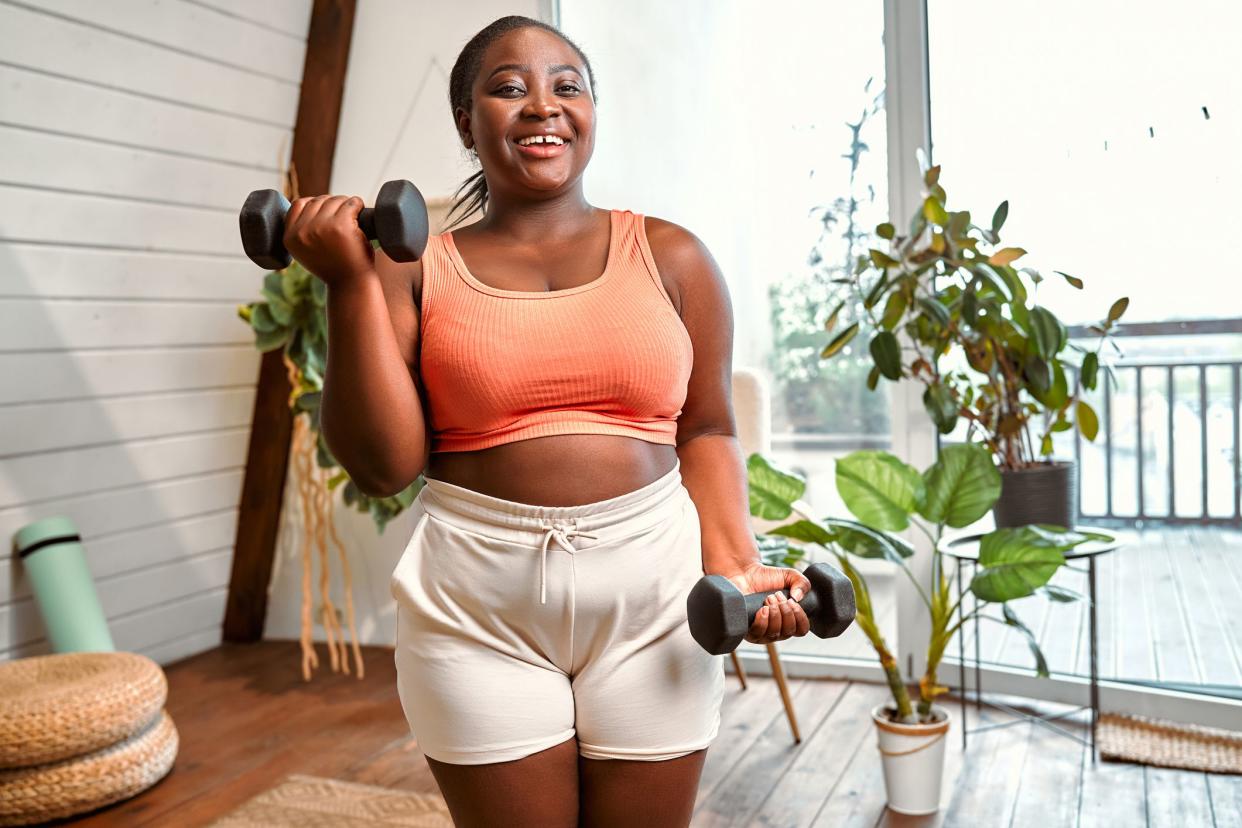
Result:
[{"x": 461, "y": 82}]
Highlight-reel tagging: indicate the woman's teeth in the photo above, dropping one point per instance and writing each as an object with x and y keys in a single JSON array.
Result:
[{"x": 541, "y": 139}]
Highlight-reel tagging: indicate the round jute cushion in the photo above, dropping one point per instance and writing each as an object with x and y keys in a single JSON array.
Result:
[
  {"x": 58, "y": 706},
  {"x": 84, "y": 783}
]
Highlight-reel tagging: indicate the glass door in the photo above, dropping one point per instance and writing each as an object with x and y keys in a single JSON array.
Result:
[{"x": 1112, "y": 131}]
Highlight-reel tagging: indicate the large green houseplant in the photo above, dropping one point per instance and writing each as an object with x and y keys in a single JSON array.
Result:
[
  {"x": 886, "y": 496},
  {"x": 945, "y": 306},
  {"x": 292, "y": 315}
]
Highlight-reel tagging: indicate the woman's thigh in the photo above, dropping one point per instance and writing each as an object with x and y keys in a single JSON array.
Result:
[{"x": 536, "y": 791}]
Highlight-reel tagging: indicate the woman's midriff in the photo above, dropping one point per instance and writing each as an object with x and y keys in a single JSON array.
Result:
[{"x": 560, "y": 470}]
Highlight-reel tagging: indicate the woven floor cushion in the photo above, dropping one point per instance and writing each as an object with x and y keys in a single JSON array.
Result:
[
  {"x": 58, "y": 706},
  {"x": 84, "y": 783}
]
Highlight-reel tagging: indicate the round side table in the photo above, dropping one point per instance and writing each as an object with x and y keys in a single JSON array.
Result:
[{"x": 965, "y": 550}]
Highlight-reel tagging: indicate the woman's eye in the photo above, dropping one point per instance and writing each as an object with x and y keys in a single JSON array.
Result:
[
  {"x": 509, "y": 86},
  {"x": 570, "y": 87}
]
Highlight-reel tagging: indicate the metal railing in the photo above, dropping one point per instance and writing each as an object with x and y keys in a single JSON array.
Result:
[{"x": 1165, "y": 374}]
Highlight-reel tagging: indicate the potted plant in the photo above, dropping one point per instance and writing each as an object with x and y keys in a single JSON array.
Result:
[
  {"x": 886, "y": 496},
  {"x": 972, "y": 332}
]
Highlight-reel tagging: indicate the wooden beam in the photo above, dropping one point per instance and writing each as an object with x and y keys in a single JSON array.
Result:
[{"x": 314, "y": 144}]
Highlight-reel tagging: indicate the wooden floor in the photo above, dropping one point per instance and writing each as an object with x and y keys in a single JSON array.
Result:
[{"x": 246, "y": 719}]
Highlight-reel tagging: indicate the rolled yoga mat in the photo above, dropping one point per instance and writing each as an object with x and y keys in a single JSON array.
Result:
[{"x": 51, "y": 553}]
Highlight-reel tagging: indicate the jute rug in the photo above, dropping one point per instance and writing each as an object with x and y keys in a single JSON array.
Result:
[
  {"x": 314, "y": 802},
  {"x": 1169, "y": 745}
]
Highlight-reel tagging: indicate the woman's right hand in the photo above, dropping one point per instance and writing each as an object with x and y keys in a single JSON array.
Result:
[{"x": 322, "y": 233}]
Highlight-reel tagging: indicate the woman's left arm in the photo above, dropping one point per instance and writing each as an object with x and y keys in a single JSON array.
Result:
[{"x": 712, "y": 466}]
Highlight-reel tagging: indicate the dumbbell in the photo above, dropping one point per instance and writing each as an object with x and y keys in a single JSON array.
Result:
[
  {"x": 398, "y": 220},
  {"x": 720, "y": 614}
]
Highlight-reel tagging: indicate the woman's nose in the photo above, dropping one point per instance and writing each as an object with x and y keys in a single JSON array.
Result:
[{"x": 541, "y": 106}]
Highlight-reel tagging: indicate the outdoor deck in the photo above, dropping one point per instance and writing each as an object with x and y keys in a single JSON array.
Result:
[
  {"x": 1170, "y": 609},
  {"x": 247, "y": 719}
]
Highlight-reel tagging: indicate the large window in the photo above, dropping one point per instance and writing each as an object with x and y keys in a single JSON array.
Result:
[{"x": 761, "y": 128}]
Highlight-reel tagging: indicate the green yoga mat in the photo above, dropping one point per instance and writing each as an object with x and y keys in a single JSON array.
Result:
[{"x": 51, "y": 554}]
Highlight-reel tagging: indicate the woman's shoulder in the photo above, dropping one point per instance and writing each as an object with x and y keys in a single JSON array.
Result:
[{"x": 672, "y": 243}]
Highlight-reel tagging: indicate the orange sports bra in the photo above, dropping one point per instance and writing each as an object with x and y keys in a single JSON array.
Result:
[{"x": 608, "y": 357}]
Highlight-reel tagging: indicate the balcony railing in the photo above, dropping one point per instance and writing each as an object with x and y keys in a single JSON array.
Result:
[{"x": 1169, "y": 437}]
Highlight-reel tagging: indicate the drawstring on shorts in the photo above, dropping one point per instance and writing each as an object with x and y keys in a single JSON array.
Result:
[{"x": 563, "y": 531}]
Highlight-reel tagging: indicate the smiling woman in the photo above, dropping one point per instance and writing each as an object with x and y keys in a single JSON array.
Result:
[{"x": 563, "y": 374}]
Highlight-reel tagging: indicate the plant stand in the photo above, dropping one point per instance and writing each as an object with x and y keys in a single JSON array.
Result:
[{"x": 965, "y": 550}]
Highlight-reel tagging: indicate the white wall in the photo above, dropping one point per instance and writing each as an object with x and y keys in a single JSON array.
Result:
[
  {"x": 395, "y": 123},
  {"x": 130, "y": 133}
]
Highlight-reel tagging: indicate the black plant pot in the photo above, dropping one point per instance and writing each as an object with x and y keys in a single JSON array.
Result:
[{"x": 1047, "y": 493}]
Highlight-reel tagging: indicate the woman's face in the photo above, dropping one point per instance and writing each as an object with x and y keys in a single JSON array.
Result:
[{"x": 530, "y": 83}]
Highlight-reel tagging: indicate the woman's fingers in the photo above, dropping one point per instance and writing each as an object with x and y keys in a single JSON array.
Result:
[{"x": 779, "y": 618}]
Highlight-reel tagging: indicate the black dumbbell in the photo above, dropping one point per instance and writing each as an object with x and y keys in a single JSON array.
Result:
[
  {"x": 398, "y": 221},
  {"x": 720, "y": 614}
]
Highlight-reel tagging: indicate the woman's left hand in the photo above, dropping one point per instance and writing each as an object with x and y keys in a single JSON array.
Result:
[{"x": 781, "y": 616}]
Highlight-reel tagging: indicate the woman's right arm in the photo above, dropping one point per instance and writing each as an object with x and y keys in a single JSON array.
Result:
[{"x": 371, "y": 413}]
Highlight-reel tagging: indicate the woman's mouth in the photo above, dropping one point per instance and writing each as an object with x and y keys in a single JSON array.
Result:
[{"x": 542, "y": 150}]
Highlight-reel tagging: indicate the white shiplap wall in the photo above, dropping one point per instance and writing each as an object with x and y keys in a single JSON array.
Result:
[{"x": 130, "y": 133}]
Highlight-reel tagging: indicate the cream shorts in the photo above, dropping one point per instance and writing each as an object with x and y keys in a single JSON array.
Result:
[{"x": 519, "y": 626}]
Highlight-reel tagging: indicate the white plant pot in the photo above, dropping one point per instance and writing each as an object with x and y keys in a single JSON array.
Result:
[{"x": 913, "y": 759}]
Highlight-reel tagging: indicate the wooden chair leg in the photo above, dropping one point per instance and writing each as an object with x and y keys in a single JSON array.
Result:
[
  {"x": 737, "y": 668},
  {"x": 779, "y": 674}
]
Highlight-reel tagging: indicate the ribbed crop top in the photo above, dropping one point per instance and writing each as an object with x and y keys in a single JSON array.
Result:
[{"x": 607, "y": 357}]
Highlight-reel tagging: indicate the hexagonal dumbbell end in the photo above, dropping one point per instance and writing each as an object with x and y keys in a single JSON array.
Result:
[{"x": 719, "y": 614}]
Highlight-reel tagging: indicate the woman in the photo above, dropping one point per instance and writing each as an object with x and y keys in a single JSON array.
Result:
[{"x": 563, "y": 374}]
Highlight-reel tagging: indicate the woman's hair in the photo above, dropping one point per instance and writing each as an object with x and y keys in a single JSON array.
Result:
[{"x": 461, "y": 83}]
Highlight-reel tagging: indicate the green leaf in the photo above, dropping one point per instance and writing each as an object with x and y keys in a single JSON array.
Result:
[
  {"x": 879, "y": 489},
  {"x": 273, "y": 282},
  {"x": 962, "y": 485},
  {"x": 806, "y": 531},
  {"x": 998, "y": 218},
  {"x": 772, "y": 490},
  {"x": 1057, "y": 393},
  {"x": 281, "y": 310},
  {"x": 894, "y": 309},
  {"x": 1015, "y": 562},
  {"x": 932, "y": 177},
  {"x": 934, "y": 212},
  {"x": 989, "y": 276},
  {"x": 1073, "y": 280},
  {"x": 1038, "y": 373},
  {"x": 941, "y": 407},
  {"x": 885, "y": 230},
  {"x": 1090, "y": 370},
  {"x": 1088, "y": 422},
  {"x": 881, "y": 259},
  {"x": 1045, "y": 331},
  {"x": 886, "y": 352},
  {"x": 1118, "y": 308},
  {"x": 1060, "y": 594},
  {"x": 938, "y": 312},
  {"x": 1011, "y": 619},
  {"x": 319, "y": 292},
  {"x": 959, "y": 222},
  {"x": 873, "y": 378},
  {"x": 877, "y": 290},
  {"x": 861, "y": 540},
  {"x": 261, "y": 318},
  {"x": 270, "y": 340},
  {"x": 839, "y": 341}
]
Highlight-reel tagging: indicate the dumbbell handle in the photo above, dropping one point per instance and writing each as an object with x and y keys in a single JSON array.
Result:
[{"x": 754, "y": 601}]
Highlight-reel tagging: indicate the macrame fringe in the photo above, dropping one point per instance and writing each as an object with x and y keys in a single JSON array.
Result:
[{"x": 317, "y": 524}]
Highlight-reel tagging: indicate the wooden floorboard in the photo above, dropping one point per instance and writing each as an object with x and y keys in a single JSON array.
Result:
[{"x": 246, "y": 720}]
